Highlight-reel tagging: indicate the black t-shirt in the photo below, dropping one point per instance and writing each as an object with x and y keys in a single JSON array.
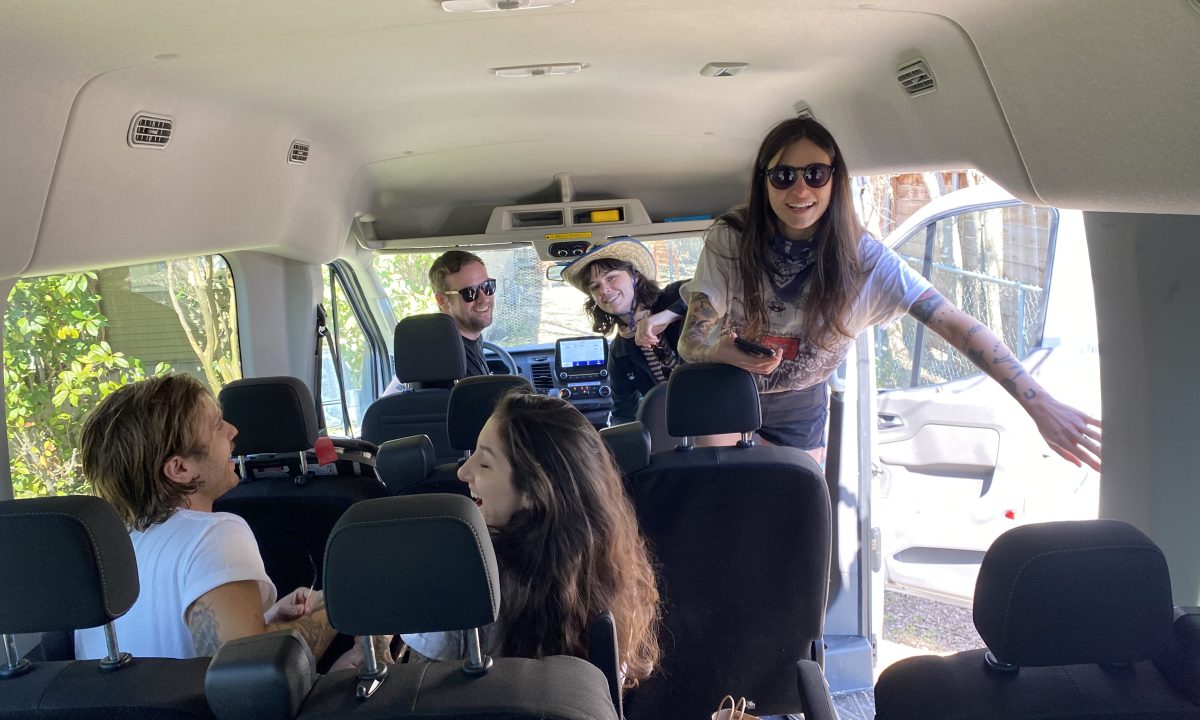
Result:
[{"x": 476, "y": 364}]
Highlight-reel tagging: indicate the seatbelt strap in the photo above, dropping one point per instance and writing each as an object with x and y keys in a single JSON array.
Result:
[{"x": 323, "y": 332}]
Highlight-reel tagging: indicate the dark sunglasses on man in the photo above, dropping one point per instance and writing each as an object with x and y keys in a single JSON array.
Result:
[
  {"x": 469, "y": 294},
  {"x": 782, "y": 177}
]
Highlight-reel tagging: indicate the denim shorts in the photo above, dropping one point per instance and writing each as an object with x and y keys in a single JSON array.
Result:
[{"x": 795, "y": 418}]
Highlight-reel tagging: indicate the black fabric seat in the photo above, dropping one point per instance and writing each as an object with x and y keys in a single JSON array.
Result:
[
  {"x": 76, "y": 569},
  {"x": 652, "y": 414},
  {"x": 408, "y": 466},
  {"x": 1077, "y": 620},
  {"x": 741, "y": 537},
  {"x": 289, "y": 501},
  {"x": 429, "y": 355},
  {"x": 440, "y": 574}
]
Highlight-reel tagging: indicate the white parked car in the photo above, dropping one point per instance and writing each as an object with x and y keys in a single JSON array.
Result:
[{"x": 958, "y": 462}]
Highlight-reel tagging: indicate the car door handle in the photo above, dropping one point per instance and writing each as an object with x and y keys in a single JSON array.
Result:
[{"x": 887, "y": 421}]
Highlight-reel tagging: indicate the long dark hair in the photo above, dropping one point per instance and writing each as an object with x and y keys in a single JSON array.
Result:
[
  {"x": 830, "y": 287},
  {"x": 576, "y": 550},
  {"x": 645, "y": 292}
]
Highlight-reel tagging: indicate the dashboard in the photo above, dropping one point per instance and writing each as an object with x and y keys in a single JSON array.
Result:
[{"x": 536, "y": 363}]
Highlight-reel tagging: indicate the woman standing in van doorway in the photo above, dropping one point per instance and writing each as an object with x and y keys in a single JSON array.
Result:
[
  {"x": 619, "y": 279},
  {"x": 794, "y": 271}
]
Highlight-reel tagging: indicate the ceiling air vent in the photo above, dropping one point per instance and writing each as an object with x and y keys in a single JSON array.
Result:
[
  {"x": 543, "y": 376},
  {"x": 148, "y": 130},
  {"x": 803, "y": 111},
  {"x": 298, "y": 155},
  {"x": 916, "y": 78}
]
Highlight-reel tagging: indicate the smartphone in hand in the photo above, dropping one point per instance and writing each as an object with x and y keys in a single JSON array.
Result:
[{"x": 753, "y": 348}]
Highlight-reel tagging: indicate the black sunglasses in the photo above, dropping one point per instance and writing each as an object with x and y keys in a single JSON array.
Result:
[
  {"x": 782, "y": 177},
  {"x": 469, "y": 294}
]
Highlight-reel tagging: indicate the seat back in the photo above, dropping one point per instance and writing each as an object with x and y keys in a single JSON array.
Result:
[
  {"x": 652, "y": 414},
  {"x": 429, "y": 355},
  {"x": 1073, "y": 614},
  {"x": 602, "y": 652},
  {"x": 76, "y": 569},
  {"x": 629, "y": 444},
  {"x": 289, "y": 502},
  {"x": 741, "y": 537},
  {"x": 440, "y": 575},
  {"x": 405, "y": 465}
]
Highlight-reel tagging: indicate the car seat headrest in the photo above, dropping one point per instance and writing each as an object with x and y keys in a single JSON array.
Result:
[
  {"x": 711, "y": 399},
  {"x": 428, "y": 348},
  {"x": 1073, "y": 592},
  {"x": 417, "y": 563},
  {"x": 405, "y": 461},
  {"x": 69, "y": 564},
  {"x": 629, "y": 444},
  {"x": 272, "y": 415},
  {"x": 471, "y": 404}
]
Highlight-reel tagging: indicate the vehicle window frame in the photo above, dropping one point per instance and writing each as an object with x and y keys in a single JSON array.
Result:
[{"x": 927, "y": 266}]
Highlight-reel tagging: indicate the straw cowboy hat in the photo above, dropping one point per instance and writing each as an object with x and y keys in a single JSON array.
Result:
[{"x": 625, "y": 249}]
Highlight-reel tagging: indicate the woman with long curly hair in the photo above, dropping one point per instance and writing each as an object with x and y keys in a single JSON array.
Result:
[
  {"x": 795, "y": 273},
  {"x": 566, "y": 539}
]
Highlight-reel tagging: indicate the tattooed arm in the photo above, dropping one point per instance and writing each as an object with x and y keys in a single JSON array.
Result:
[
  {"x": 234, "y": 610},
  {"x": 702, "y": 340},
  {"x": 1072, "y": 434}
]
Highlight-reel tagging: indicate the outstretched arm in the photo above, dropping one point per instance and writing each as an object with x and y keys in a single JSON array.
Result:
[
  {"x": 702, "y": 340},
  {"x": 234, "y": 610},
  {"x": 1072, "y": 434}
]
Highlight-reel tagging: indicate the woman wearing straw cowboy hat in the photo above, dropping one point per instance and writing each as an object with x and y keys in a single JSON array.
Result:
[{"x": 618, "y": 277}]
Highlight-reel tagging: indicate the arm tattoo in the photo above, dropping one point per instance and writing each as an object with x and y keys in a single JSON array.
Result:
[
  {"x": 700, "y": 328},
  {"x": 202, "y": 622},
  {"x": 925, "y": 305},
  {"x": 314, "y": 629}
]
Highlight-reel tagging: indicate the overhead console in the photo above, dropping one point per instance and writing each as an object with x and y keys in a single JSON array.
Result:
[{"x": 559, "y": 231}]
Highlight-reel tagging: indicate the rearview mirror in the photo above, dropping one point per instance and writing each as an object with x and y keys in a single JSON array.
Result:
[{"x": 555, "y": 272}]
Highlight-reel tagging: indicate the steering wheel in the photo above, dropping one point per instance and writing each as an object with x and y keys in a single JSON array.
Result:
[{"x": 505, "y": 357}]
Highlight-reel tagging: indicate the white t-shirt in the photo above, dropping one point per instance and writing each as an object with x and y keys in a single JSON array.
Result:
[
  {"x": 885, "y": 291},
  {"x": 179, "y": 560}
]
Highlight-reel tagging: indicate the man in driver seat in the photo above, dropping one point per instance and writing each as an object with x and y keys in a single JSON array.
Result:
[{"x": 464, "y": 291}]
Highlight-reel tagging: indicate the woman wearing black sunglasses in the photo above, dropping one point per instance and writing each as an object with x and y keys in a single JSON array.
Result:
[{"x": 793, "y": 271}]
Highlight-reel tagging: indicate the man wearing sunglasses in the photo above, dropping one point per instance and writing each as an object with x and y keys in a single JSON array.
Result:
[{"x": 464, "y": 291}]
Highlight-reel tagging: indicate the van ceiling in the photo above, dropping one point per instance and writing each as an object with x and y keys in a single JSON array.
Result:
[{"x": 1071, "y": 102}]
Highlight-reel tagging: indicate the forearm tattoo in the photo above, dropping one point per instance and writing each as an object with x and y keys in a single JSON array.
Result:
[
  {"x": 999, "y": 363},
  {"x": 926, "y": 304},
  {"x": 314, "y": 629},
  {"x": 1005, "y": 368},
  {"x": 202, "y": 622},
  {"x": 700, "y": 328}
]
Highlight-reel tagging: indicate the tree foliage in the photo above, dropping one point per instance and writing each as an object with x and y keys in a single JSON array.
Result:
[
  {"x": 57, "y": 364},
  {"x": 59, "y": 360}
]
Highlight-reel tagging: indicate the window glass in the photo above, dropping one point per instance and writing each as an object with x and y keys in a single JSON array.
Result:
[
  {"x": 71, "y": 339},
  {"x": 990, "y": 263},
  {"x": 354, "y": 358},
  {"x": 529, "y": 308}
]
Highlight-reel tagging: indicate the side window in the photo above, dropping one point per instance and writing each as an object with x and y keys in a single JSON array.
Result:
[
  {"x": 347, "y": 363},
  {"x": 72, "y": 339},
  {"x": 992, "y": 263}
]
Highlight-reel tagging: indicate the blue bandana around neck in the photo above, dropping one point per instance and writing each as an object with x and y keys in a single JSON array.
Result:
[{"x": 791, "y": 263}]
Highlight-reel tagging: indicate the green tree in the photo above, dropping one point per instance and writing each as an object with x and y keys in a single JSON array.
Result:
[{"x": 57, "y": 364}]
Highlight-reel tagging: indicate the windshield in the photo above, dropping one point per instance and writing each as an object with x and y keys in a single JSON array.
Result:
[{"x": 530, "y": 310}]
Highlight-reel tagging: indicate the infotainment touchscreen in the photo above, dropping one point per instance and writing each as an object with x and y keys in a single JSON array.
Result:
[{"x": 581, "y": 356}]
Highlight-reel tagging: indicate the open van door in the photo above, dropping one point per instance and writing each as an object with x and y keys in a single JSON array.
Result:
[{"x": 959, "y": 461}]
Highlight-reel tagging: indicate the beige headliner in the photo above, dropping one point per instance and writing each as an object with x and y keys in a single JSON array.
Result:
[{"x": 1081, "y": 103}]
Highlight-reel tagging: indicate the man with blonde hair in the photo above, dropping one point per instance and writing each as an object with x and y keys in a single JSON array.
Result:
[{"x": 160, "y": 451}]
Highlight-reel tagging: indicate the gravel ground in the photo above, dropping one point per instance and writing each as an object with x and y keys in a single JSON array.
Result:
[{"x": 927, "y": 624}]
